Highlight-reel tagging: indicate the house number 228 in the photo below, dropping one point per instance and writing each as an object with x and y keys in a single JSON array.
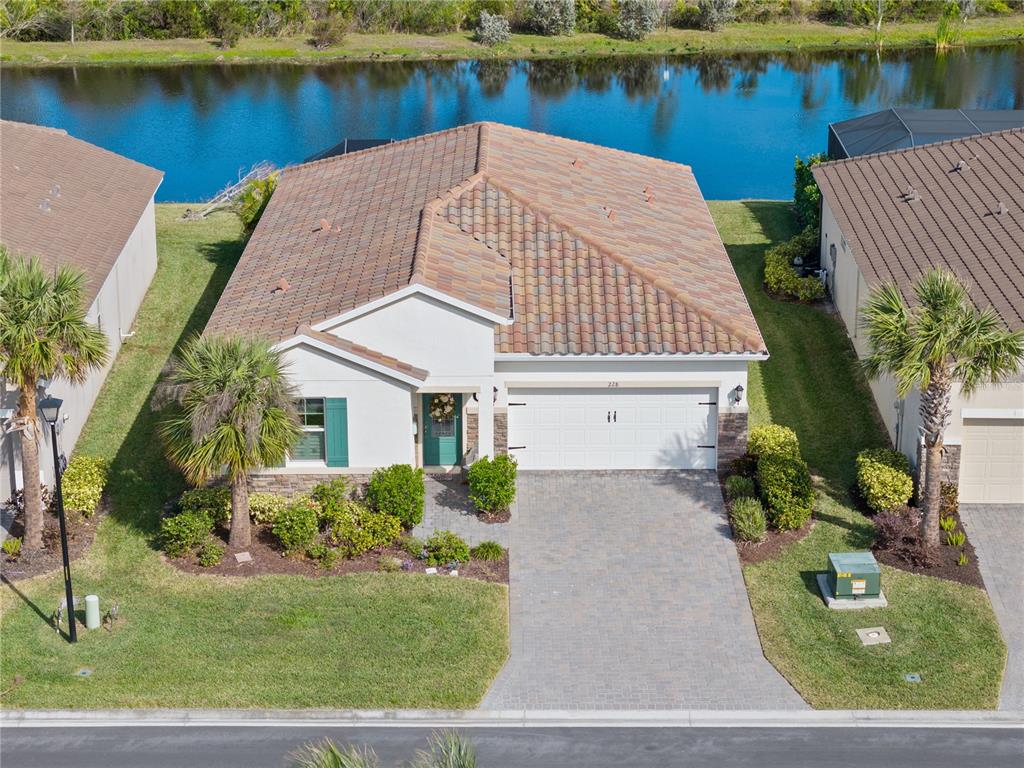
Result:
[{"x": 613, "y": 383}]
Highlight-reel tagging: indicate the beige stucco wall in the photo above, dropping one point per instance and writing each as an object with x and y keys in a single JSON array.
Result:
[
  {"x": 114, "y": 310},
  {"x": 849, "y": 290}
]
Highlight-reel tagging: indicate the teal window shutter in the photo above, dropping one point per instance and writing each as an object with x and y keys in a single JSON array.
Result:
[{"x": 337, "y": 432}]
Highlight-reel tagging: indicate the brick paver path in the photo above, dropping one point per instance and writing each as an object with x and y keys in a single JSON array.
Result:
[
  {"x": 626, "y": 593},
  {"x": 997, "y": 533},
  {"x": 447, "y": 507}
]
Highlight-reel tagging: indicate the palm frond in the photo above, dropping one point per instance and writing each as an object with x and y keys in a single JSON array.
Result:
[
  {"x": 447, "y": 750},
  {"x": 327, "y": 755}
]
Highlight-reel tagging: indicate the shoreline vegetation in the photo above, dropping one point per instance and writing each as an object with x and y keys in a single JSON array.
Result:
[{"x": 804, "y": 36}]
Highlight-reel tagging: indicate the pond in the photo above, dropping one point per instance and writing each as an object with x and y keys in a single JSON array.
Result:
[{"x": 738, "y": 120}]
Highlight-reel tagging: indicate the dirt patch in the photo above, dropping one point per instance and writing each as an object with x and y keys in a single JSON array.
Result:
[
  {"x": 495, "y": 517},
  {"x": 268, "y": 559},
  {"x": 81, "y": 533}
]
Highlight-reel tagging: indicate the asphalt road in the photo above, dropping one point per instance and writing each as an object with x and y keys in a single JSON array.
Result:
[{"x": 252, "y": 746}]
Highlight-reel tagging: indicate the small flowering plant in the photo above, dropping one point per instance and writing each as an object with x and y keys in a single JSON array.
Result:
[{"x": 442, "y": 406}]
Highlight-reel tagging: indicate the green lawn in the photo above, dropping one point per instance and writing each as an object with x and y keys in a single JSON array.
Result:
[
  {"x": 944, "y": 631},
  {"x": 459, "y": 45},
  {"x": 373, "y": 640}
]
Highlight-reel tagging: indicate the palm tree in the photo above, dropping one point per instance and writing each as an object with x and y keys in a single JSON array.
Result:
[
  {"x": 43, "y": 335},
  {"x": 941, "y": 340},
  {"x": 235, "y": 411}
]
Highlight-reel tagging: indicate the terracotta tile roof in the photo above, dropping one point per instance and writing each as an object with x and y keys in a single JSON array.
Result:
[
  {"x": 358, "y": 350},
  {"x": 955, "y": 221},
  {"x": 69, "y": 202},
  {"x": 594, "y": 251}
]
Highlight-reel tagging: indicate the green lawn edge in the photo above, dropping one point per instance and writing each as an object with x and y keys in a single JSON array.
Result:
[
  {"x": 734, "y": 38},
  {"x": 946, "y": 632},
  {"x": 356, "y": 641}
]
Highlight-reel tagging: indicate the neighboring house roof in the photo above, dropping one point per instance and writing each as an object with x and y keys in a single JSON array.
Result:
[
  {"x": 899, "y": 128},
  {"x": 587, "y": 250},
  {"x": 66, "y": 201},
  {"x": 364, "y": 354},
  {"x": 967, "y": 218}
]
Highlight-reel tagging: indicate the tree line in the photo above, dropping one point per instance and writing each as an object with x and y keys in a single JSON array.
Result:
[{"x": 71, "y": 20}]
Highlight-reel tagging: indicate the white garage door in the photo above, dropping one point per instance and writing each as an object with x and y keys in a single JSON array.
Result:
[
  {"x": 992, "y": 461},
  {"x": 613, "y": 428}
]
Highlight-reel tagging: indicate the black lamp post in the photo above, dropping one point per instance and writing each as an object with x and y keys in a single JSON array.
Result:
[{"x": 50, "y": 408}]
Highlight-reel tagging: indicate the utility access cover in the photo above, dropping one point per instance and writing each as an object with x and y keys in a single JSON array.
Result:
[{"x": 873, "y": 636}]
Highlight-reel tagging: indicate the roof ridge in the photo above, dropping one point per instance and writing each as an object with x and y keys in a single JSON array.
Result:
[
  {"x": 903, "y": 150},
  {"x": 423, "y": 137},
  {"x": 607, "y": 252},
  {"x": 426, "y": 227}
]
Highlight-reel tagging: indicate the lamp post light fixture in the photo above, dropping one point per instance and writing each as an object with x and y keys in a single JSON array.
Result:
[{"x": 50, "y": 408}]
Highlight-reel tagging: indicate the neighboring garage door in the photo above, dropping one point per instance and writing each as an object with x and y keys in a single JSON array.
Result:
[
  {"x": 613, "y": 428},
  {"x": 992, "y": 461}
]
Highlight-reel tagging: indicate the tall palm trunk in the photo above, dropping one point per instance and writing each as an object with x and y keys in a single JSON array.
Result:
[
  {"x": 241, "y": 533},
  {"x": 30, "y": 470},
  {"x": 935, "y": 413}
]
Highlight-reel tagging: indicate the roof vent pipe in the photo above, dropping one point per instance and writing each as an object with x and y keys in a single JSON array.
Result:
[{"x": 1001, "y": 209}]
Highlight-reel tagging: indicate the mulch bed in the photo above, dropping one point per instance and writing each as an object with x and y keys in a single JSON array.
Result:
[
  {"x": 81, "y": 533},
  {"x": 267, "y": 559},
  {"x": 943, "y": 561},
  {"x": 494, "y": 517},
  {"x": 752, "y": 552}
]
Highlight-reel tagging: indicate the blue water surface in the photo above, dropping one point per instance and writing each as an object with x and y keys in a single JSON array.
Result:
[{"x": 738, "y": 120}]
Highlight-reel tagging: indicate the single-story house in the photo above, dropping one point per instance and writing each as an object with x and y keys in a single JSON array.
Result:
[
  {"x": 900, "y": 128},
  {"x": 575, "y": 302},
  {"x": 65, "y": 201},
  {"x": 959, "y": 205}
]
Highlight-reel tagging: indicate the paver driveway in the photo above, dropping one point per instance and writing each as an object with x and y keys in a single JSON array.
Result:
[
  {"x": 626, "y": 593},
  {"x": 997, "y": 533}
]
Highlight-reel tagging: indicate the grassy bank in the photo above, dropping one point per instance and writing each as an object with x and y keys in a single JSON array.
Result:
[
  {"x": 807, "y": 36},
  {"x": 373, "y": 640},
  {"x": 944, "y": 631}
]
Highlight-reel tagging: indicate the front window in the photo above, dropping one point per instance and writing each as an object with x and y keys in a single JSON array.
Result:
[{"x": 310, "y": 445}]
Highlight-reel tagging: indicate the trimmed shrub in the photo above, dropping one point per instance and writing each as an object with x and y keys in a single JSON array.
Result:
[
  {"x": 714, "y": 14},
  {"x": 332, "y": 500},
  {"x": 359, "y": 529},
  {"x": 492, "y": 30},
  {"x": 487, "y": 550},
  {"x": 739, "y": 487},
  {"x": 325, "y": 556},
  {"x": 210, "y": 552},
  {"x": 445, "y": 547},
  {"x": 82, "y": 483},
  {"x": 398, "y": 491},
  {"x": 389, "y": 564},
  {"x": 773, "y": 439},
  {"x": 637, "y": 18},
  {"x": 492, "y": 483},
  {"x": 779, "y": 274},
  {"x": 296, "y": 525},
  {"x": 748, "y": 520},
  {"x": 883, "y": 478},
  {"x": 806, "y": 195},
  {"x": 215, "y": 501},
  {"x": 12, "y": 547},
  {"x": 786, "y": 489},
  {"x": 184, "y": 532},
  {"x": 264, "y": 507},
  {"x": 550, "y": 17}
]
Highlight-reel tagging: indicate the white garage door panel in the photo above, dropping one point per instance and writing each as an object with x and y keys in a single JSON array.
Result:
[
  {"x": 612, "y": 429},
  {"x": 992, "y": 461}
]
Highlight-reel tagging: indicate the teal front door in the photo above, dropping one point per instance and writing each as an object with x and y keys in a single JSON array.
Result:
[{"x": 442, "y": 438}]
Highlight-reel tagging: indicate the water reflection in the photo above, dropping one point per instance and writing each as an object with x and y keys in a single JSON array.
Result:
[{"x": 737, "y": 119}]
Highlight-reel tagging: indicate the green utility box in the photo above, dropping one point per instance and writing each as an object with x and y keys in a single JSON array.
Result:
[{"x": 853, "y": 575}]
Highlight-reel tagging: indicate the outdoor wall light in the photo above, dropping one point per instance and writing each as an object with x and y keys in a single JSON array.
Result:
[{"x": 737, "y": 394}]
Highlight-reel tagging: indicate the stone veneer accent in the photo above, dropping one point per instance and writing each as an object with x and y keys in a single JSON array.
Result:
[
  {"x": 500, "y": 432},
  {"x": 950, "y": 463},
  {"x": 288, "y": 484},
  {"x": 732, "y": 436},
  {"x": 472, "y": 431}
]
